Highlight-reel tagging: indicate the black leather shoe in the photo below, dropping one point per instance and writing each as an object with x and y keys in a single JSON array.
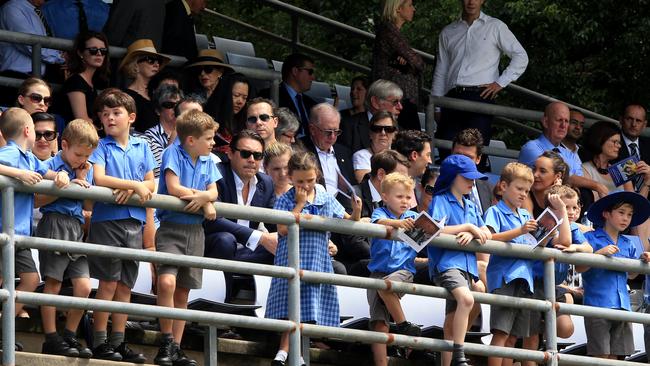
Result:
[
  {"x": 179, "y": 358},
  {"x": 461, "y": 361},
  {"x": 106, "y": 352},
  {"x": 164, "y": 355},
  {"x": 73, "y": 342},
  {"x": 128, "y": 355},
  {"x": 59, "y": 347}
]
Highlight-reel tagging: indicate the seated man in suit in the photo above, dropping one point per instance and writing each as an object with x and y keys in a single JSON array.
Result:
[
  {"x": 633, "y": 122},
  {"x": 381, "y": 164},
  {"x": 334, "y": 159},
  {"x": 383, "y": 95},
  {"x": 297, "y": 75},
  {"x": 242, "y": 184}
]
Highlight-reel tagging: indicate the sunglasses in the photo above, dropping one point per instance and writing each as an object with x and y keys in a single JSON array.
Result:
[
  {"x": 208, "y": 69},
  {"x": 169, "y": 105},
  {"x": 380, "y": 129},
  {"x": 47, "y": 135},
  {"x": 262, "y": 117},
  {"x": 245, "y": 154},
  {"x": 37, "y": 98},
  {"x": 96, "y": 50},
  {"x": 336, "y": 132},
  {"x": 150, "y": 60},
  {"x": 395, "y": 102},
  {"x": 309, "y": 71},
  {"x": 428, "y": 189}
]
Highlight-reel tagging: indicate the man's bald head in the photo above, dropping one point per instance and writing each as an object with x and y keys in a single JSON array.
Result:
[{"x": 556, "y": 122}]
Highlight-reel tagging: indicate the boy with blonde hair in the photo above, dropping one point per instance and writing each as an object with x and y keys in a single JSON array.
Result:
[
  {"x": 63, "y": 219},
  {"x": 391, "y": 260}
]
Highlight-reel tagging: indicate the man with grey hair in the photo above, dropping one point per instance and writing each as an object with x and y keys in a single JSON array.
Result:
[
  {"x": 383, "y": 95},
  {"x": 288, "y": 126}
]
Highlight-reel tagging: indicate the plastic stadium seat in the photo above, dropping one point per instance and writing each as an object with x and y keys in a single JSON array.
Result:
[
  {"x": 343, "y": 105},
  {"x": 226, "y": 45},
  {"x": 277, "y": 65},
  {"x": 254, "y": 63},
  {"x": 423, "y": 121},
  {"x": 497, "y": 162},
  {"x": 320, "y": 91},
  {"x": 344, "y": 93},
  {"x": 202, "y": 42}
]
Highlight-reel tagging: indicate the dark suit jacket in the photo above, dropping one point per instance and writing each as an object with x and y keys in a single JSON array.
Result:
[
  {"x": 366, "y": 197},
  {"x": 343, "y": 157},
  {"x": 356, "y": 132},
  {"x": 178, "y": 31},
  {"x": 287, "y": 102},
  {"x": 485, "y": 193},
  {"x": 644, "y": 149},
  {"x": 263, "y": 197}
]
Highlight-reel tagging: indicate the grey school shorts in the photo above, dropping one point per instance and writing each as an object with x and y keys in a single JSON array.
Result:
[
  {"x": 608, "y": 337},
  {"x": 181, "y": 239},
  {"x": 452, "y": 279},
  {"x": 511, "y": 321},
  {"x": 125, "y": 233},
  {"x": 536, "y": 317},
  {"x": 378, "y": 310},
  {"x": 61, "y": 265},
  {"x": 23, "y": 262}
]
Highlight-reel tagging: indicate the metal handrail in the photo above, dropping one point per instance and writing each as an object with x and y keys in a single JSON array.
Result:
[{"x": 315, "y": 223}]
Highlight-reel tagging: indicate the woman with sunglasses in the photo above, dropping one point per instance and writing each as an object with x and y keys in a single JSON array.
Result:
[
  {"x": 34, "y": 96},
  {"x": 383, "y": 127},
  {"x": 141, "y": 63},
  {"x": 88, "y": 66},
  {"x": 165, "y": 99},
  {"x": 46, "y": 145},
  {"x": 205, "y": 72},
  {"x": 227, "y": 105}
]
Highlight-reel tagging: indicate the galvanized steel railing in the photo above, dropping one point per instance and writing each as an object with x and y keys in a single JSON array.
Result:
[{"x": 294, "y": 275}]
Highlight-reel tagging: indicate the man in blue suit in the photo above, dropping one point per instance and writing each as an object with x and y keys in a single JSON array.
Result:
[{"x": 242, "y": 184}]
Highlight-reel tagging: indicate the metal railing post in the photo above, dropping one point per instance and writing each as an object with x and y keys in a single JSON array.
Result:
[
  {"x": 550, "y": 320},
  {"x": 295, "y": 32},
  {"x": 294, "y": 294},
  {"x": 8, "y": 276},
  {"x": 210, "y": 346},
  {"x": 36, "y": 60}
]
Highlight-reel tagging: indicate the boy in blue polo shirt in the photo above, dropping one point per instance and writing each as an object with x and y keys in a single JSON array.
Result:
[
  {"x": 391, "y": 260},
  {"x": 611, "y": 215},
  {"x": 63, "y": 219},
  {"x": 125, "y": 164},
  {"x": 187, "y": 172},
  {"x": 508, "y": 276},
  {"x": 17, "y": 161},
  {"x": 456, "y": 270}
]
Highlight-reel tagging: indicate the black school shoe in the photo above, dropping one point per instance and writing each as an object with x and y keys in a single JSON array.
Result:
[
  {"x": 128, "y": 355},
  {"x": 59, "y": 347},
  {"x": 164, "y": 356},
  {"x": 106, "y": 352},
  {"x": 408, "y": 328},
  {"x": 73, "y": 342},
  {"x": 179, "y": 358}
]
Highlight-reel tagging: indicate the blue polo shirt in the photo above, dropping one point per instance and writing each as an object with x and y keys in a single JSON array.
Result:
[
  {"x": 440, "y": 260},
  {"x": 132, "y": 163},
  {"x": 191, "y": 175},
  {"x": 534, "y": 148},
  {"x": 562, "y": 269},
  {"x": 605, "y": 288},
  {"x": 388, "y": 256},
  {"x": 12, "y": 155},
  {"x": 66, "y": 206},
  {"x": 500, "y": 269}
]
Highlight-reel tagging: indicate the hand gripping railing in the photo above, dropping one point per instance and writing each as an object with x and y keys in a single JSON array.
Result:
[{"x": 294, "y": 274}]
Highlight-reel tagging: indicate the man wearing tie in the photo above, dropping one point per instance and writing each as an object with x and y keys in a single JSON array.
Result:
[
  {"x": 298, "y": 72},
  {"x": 633, "y": 122}
]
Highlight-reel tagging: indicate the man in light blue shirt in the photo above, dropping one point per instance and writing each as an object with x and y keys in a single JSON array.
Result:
[{"x": 555, "y": 125}]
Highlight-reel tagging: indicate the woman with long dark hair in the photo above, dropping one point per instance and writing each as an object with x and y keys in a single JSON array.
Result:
[{"x": 227, "y": 105}]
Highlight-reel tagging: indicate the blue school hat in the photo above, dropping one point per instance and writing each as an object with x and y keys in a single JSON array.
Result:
[
  {"x": 639, "y": 203},
  {"x": 451, "y": 167}
]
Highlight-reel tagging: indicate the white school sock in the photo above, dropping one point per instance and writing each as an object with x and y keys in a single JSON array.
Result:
[{"x": 281, "y": 356}]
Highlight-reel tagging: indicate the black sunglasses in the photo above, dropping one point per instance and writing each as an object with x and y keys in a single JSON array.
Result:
[
  {"x": 263, "y": 117},
  {"x": 309, "y": 71},
  {"x": 245, "y": 154},
  {"x": 37, "y": 98},
  {"x": 150, "y": 60},
  {"x": 169, "y": 105},
  {"x": 47, "y": 135},
  {"x": 386, "y": 129},
  {"x": 95, "y": 50},
  {"x": 207, "y": 69},
  {"x": 428, "y": 189}
]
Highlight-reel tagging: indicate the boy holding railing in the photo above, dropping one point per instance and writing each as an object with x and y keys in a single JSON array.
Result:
[{"x": 187, "y": 172}]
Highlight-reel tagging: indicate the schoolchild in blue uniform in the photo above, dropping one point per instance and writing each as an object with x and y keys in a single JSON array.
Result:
[
  {"x": 510, "y": 276},
  {"x": 456, "y": 270},
  {"x": 63, "y": 219},
  {"x": 391, "y": 260},
  {"x": 318, "y": 302},
  {"x": 611, "y": 215},
  {"x": 125, "y": 164},
  {"x": 17, "y": 161}
]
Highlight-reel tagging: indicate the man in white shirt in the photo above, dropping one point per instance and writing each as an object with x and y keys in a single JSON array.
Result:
[{"x": 469, "y": 51}]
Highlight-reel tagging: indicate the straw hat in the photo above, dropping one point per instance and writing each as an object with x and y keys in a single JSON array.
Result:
[
  {"x": 143, "y": 47},
  {"x": 209, "y": 57}
]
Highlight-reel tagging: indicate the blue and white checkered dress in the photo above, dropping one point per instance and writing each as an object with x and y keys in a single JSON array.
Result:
[{"x": 319, "y": 303}]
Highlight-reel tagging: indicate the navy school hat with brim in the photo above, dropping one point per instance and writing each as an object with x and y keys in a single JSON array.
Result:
[
  {"x": 640, "y": 205},
  {"x": 451, "y": 167}
]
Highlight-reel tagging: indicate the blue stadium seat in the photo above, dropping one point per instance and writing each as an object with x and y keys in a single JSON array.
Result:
[
  {"x": 320, "y": 91},
  {"x": 254, "y": 63},
  {"x": 344, "y": 94},
  {"x": 496, "y": 162},
  {"x": 202, "y": 41},
  {"x": 277, "y": 65},
  {"x": 226, "y": 45}
]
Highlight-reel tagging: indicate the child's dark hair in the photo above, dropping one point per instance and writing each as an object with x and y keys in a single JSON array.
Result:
[
  {"x": 303, "y": 160},
  {"x": 618, "y": 205},
  {"x": 112, "y": 98}
]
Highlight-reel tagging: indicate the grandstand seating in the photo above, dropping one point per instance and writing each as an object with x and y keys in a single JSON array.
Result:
[
  {"x": 226, "y": 45},
  {"x": 277, "y": 65},
  {"x": 320, "y": 91},
  {"x": 252, "y": 62},
  {"x": 343, "y": 93}
]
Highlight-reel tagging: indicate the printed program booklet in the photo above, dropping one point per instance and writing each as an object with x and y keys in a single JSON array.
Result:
[
  {"x": 345, "y": 188},
  {"x": 547, "y": 222},
  {"x": 624, "y": 170},
  {"x": 425, "y": 230}
]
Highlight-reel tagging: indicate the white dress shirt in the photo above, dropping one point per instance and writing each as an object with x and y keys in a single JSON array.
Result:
[
  {"x": 627, "y": 142},
  {"x": 469, "y": 55},
  {"x": 330, "y": 169},
  {"x": 254, "y": 239},
  {"x": 374, "y": 193}
]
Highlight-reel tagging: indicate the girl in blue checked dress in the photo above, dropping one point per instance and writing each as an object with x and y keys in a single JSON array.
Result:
[{"x": 318, "y": 302}]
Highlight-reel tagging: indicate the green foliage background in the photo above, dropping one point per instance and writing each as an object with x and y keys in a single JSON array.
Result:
[{"x": 589, "y": 53}]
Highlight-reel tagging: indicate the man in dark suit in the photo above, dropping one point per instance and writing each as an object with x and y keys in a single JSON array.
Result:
[
  {"x": 178, "y": 30},
  {"x": 334, "y": 159},
  {"x": 242, "y": 184},
  {"x": 633, "y": 122},
  {"x": 298, "y": 72},
  {"x": 381, "y": 164},
  {"x": 383, "y": 95}
]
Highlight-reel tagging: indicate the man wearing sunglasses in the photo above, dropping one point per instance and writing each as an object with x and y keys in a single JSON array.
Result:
[
  {"x": 260, "y": 117},
  {"x": 242, "y": 184},
  {"x": 298, "y": 72},
  {"x": 383, "y": 95}
]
